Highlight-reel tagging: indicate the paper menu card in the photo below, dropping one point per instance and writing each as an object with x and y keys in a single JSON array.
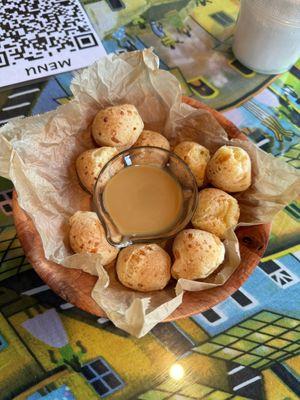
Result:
[{"x": 43, "y": 38}]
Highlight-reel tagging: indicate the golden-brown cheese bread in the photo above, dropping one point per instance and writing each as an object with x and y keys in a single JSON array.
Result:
[
  {"x": 90, "y": 163},
  {"x": 87, "y": 236},
  {"x": 197, "y": 254},
  {"x": 144, "y": 267},
  {"x": 196, "y": 157},
  {"x": 147, "y": 156},
  {"x": 151, "y": 138},
  {"x": 216, "y": 212},
  {"x": 118, "y": 126},
  {"x": 229, "y": 169}
]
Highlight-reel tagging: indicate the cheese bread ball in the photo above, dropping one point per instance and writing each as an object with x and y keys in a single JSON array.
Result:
[
  {"x": 90, "y": 163},
  {"x": 144, "y": 267},
  {"x": 196, "y": 157},
  {"x": 197, "y": 254},
  {"x": 147, "y": 156},
  {"x": 216, "y": 212},
  {"x": 229, "y": 169},
  {"x": 118, "y": 126},
  {"x": 87, "y": 236},
  {"x": 151, "y": 138}
]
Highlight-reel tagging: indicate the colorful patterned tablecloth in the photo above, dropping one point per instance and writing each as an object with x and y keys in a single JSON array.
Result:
[{"x": 245, "y": 347}]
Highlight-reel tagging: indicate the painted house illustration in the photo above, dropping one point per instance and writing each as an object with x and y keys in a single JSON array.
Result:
[
  {"x": 70, "y": 352},
  {"x": 278, "y": 278},
  {"x": 233, "y": 363},
  {"x": 250, "y": 351}
]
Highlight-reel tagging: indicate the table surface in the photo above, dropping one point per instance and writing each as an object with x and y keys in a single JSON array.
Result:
[{"x": 245, "y": 347}]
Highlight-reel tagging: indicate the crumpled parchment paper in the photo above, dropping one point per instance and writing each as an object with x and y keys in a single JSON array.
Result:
[{"x": 38, "y": 154}]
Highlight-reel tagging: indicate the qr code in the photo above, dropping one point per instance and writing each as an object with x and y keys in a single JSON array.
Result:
[{"x": 34, "y": 29}]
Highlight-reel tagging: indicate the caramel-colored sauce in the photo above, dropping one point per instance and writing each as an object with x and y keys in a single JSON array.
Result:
[{"x": 143, "y": 200}]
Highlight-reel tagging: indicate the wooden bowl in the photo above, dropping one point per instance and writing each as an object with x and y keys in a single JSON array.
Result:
[{"x": 75, "y": 286}]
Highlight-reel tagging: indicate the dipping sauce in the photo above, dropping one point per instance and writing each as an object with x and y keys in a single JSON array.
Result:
[{"x": 143, "y": 199}]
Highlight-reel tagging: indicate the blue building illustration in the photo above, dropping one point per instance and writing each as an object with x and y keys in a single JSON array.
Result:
[{"x": 279, "y": 279}]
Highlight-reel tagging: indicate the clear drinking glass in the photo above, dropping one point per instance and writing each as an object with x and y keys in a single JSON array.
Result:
[
  {"x": 267, "y": 35},
  {"x": 153, "y": 156}
]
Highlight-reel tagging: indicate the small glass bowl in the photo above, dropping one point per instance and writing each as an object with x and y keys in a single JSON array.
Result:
[{"x": 154, "y": 156}]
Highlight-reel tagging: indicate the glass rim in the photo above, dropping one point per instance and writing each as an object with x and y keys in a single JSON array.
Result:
[{"x": 284, "y": 20}]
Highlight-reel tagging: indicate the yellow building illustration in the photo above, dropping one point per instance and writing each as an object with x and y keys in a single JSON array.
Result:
[
  {"x": 70, "y": 354},
  {"x": 216, "y": 19}
]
